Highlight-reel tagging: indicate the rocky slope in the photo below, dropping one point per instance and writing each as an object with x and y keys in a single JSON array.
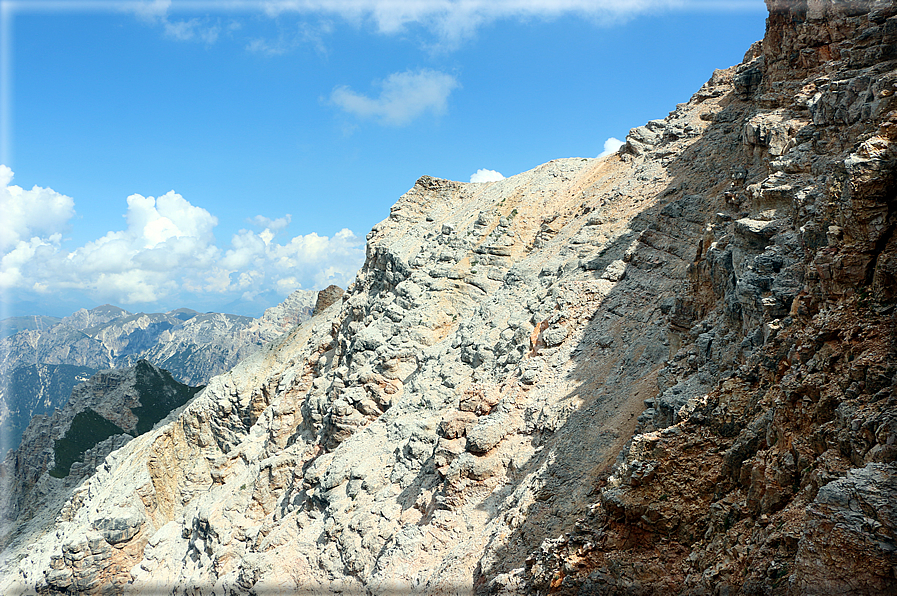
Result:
[
  {"x": 776, "y": 476},
  {"x": 58, "y": 451},
  {"x": 37, "y": 353},
  {"x": 671, "y": 370}
]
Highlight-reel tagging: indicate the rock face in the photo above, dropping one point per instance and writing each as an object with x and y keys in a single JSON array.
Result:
[
  {"x": 326, "y": 297},
  {"x": 61, "y": 450},
  {"x": 40, "y": 356},
  {"x": 671, "y": 370},
  {"x": 35, "y": 389}
]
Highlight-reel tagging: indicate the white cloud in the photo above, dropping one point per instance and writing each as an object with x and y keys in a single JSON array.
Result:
[
  {"x": 313, "y": 34},
  {"x": 272, "y": 224},
  {"x": 403, "y": 97},
  {"x": 318, "y": 260},
  {"x": 449, "y": 22},
  {"x": 453, "y": 21},
  {"x": 38, "y": 212},
  {"x": 192, "y": 29},
  {"x": 483, "y": 175},
  {"x": 166, "y": 250},
  {"x": 611, "y": 145},
  {"x": 151, "y": 11},
  {"x": 16, "y": 264},
  {"x": 275, "y": 47},
  {"x": 156, "y": 12}
]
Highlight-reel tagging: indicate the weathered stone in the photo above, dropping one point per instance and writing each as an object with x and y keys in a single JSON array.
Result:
[
  {"x": 120, "y": 528},
  {"x": 455, "y": 424},
  {"x": 326, "y": 297},
  {"x": 615, "y": 271},
  {"x": 485, "y": 435},
  {"x": 658, "y": 432}
]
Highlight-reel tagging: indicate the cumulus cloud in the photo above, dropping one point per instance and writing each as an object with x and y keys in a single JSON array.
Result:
[
  {"x": 39, "y": 212},
  {"x": 611, "y": 145},
  {"x": 483, "y": 175},
  {"x": 403, "y": 97},
  {"x": 255, "y": 261},
  {"x": 166, "y": 250}
]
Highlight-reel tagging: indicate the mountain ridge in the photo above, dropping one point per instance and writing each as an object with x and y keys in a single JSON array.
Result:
[
  {"x": 670, "y": 370},
  {"x": 62, "y": 448},
  {"x": 193, "y": 346}
]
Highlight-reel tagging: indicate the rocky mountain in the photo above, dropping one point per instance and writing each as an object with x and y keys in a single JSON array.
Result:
[
  {"x": 667, "y": 371},
  {"x": 41, "y": 357},
  {"x": 58, "y": 451},
  {"x": 192, "y": 346},
  {"x": 31, "y": 390}
]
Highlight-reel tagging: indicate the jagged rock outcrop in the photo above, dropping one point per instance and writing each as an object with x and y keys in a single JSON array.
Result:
[
  {"x": 34, "y": 389},
  {"x": 671, "y": 370},
  {"x": 61, "y": 450},
  {"x": 40, "y": 356}
]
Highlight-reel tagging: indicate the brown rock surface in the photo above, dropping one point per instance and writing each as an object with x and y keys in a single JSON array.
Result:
[{"x": 326, "y": 297}]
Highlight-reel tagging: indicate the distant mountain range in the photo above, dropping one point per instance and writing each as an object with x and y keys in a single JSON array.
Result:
[
  {"x": 43, "y": 358},
  {"x": 65, "y": 445}
]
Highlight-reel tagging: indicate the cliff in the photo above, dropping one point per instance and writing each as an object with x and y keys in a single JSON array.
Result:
[{"x": 671, "y": 370}]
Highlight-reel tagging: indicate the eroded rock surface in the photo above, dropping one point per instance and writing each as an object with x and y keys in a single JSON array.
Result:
[{"x": 670, "y": 370}]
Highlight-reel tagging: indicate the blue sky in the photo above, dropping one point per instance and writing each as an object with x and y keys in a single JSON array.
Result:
[{"x": 218, "y": 155}]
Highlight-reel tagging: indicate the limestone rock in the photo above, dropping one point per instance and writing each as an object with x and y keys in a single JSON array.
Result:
[{"x": 657, "y": 372}]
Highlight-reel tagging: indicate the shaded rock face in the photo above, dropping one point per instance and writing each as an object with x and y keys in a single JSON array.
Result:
[
  {"x": 35, "y": 389},
  {"x": 671, "y": 370},
  {"x": 774, "y": 477}
]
